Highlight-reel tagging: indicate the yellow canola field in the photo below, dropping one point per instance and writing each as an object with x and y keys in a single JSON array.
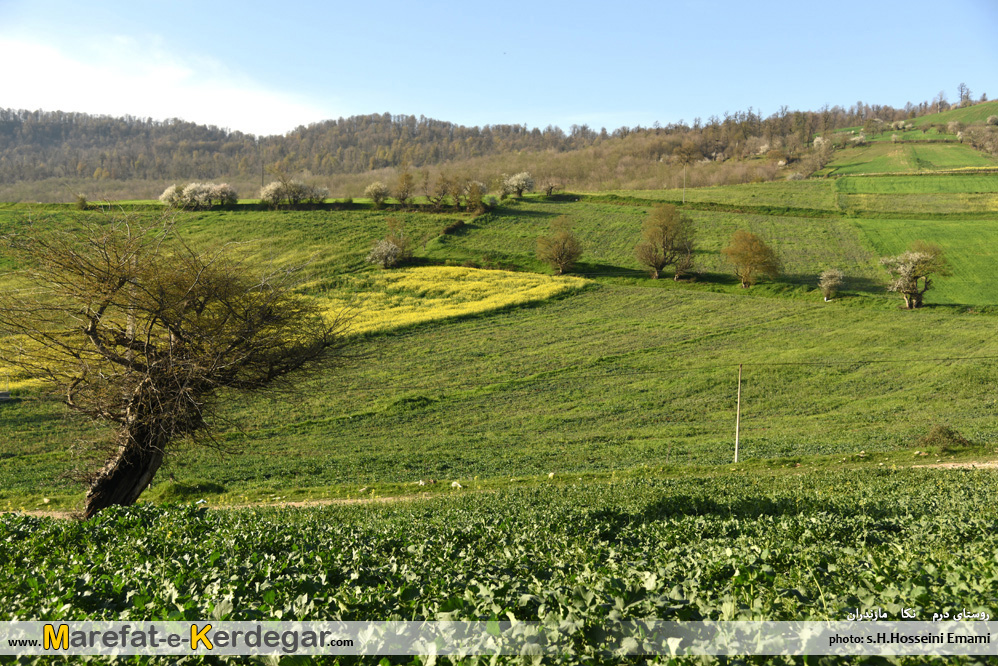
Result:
[
  {"x": 399, "y": 298},
  {"x": 395, "y": 299}
]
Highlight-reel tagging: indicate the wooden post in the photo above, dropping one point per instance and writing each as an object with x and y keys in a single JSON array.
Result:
[{"x": 738, "y": 411}]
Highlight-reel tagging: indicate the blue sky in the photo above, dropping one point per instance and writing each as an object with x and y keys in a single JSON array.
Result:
[{"x": 268, "y": 67}]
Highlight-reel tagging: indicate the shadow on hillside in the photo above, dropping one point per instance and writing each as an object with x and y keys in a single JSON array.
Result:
[
  {"x": 851, "y": 283},
  {"x": 516, "y": 211},
  {"x": 590, "y": 269}
]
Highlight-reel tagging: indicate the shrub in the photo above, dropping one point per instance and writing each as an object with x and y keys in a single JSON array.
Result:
[
  {"x": 404, "y": 188},
  {"x": 171, "y": 196},
  {"x": 392, "y": 250},
  {"x": 911, "y": 272},
  {"x": 751, "y": 258},
  {"x": 292, "y": 193},
  {"x": 474, "y": 193},
  {"x": 561, "y": 249},
  {"x": 196, "y": 196},
  {"x": 81, "y": 202},
  {"x": 377, "y": 192},
  {"x": 992, "y": 120},
  {"x": 830, "y": 282},
  {"x": 945, "y": 438},
  {"x": 385, "y": 254},
  {"x": 224, "y": 194}
]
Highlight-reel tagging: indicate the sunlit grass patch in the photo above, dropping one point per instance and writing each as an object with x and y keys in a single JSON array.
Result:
[{"x": 395, "y": 299}]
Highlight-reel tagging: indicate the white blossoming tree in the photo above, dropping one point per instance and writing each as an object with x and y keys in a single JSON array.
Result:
[
  {"x": 517, "y": 184},
  {"x": 377, "y": 192}
]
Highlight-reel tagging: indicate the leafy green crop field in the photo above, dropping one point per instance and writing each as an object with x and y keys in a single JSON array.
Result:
[{"x": 801, "y": 546}]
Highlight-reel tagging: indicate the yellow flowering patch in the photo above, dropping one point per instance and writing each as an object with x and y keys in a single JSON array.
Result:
[{"x": 394, "y": 299}]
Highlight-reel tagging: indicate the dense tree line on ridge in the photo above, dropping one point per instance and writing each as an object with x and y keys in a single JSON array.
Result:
[{"x": 36, "y": 145}]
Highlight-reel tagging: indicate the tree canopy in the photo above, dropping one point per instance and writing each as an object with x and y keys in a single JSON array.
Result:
[
  {"x": 561, "y": 249},
  {"x": 911, "y": 272},
  {"x": 667, "y": 240},
  {"x": 751, "y": 258},
  {"x": 139, "y": 330}
]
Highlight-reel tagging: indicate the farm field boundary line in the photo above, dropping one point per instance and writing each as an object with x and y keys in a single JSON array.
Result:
[
  {"x": 779, "y": 211},
  {"x": 963, "y": 171},
  {"x": 812, "y": 213},
  {"x": 296, "y": 504}
]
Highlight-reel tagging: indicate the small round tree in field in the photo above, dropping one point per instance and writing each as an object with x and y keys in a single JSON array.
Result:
[
  {"x": 831, "y": 282},
  {"x": 667, "y": 240},
  {"x": 404, "y": 188},
  {"x": 911, "y": 272},
  {"x": 561, "y": 249},
  {"x": 751, "y": 258}
]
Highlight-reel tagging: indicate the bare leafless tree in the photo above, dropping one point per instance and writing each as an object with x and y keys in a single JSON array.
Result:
[{"x": 139, "y": 330}]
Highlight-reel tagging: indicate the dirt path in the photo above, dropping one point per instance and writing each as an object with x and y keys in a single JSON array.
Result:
[
  {"x": 221, "y": 507},
  {"x": 987, "y": 464}
]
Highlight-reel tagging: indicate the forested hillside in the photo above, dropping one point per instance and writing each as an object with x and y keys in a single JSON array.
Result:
[{"x": 72, "y": 149}]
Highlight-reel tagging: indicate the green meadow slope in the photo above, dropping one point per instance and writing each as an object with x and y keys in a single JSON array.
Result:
[
  {"x": 567, "y": 458},
  {"x": 630, "y": 372}
]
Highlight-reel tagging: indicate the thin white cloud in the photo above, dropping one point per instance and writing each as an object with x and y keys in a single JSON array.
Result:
[{"x": 120, "y": 75}]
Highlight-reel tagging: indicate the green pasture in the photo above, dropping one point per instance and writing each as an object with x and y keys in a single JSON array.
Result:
[
  {"x": 964, "y": 195},
  {"x": 978, "y": 113},
  {"x": 969, "y": 184},
  {"x": 629, "y": 372},
  {"x": 906, "y": 158},
  {"x": 609, "y": 233},
  {"x": 803, "y": 194},
  {"x": 971, "y": 248},
  {"x": 612, "y": 379}
]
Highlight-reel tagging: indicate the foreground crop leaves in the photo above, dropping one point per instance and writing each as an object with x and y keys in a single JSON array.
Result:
[{"x": 577, "y": 558}]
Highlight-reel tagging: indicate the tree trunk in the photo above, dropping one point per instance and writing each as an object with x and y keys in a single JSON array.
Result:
[{"x": 123, "y": 478}]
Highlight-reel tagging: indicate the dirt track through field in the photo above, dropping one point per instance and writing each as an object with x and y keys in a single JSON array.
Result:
[{"x": 298, "y": 504}]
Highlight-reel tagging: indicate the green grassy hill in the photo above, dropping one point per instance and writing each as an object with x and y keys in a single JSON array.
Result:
[
  {"x": 978, "y": 113},
  {"x": 630, "y": 371},
  {"x": 892, "y": 158},
  {"x": 568, "y": 455}
]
